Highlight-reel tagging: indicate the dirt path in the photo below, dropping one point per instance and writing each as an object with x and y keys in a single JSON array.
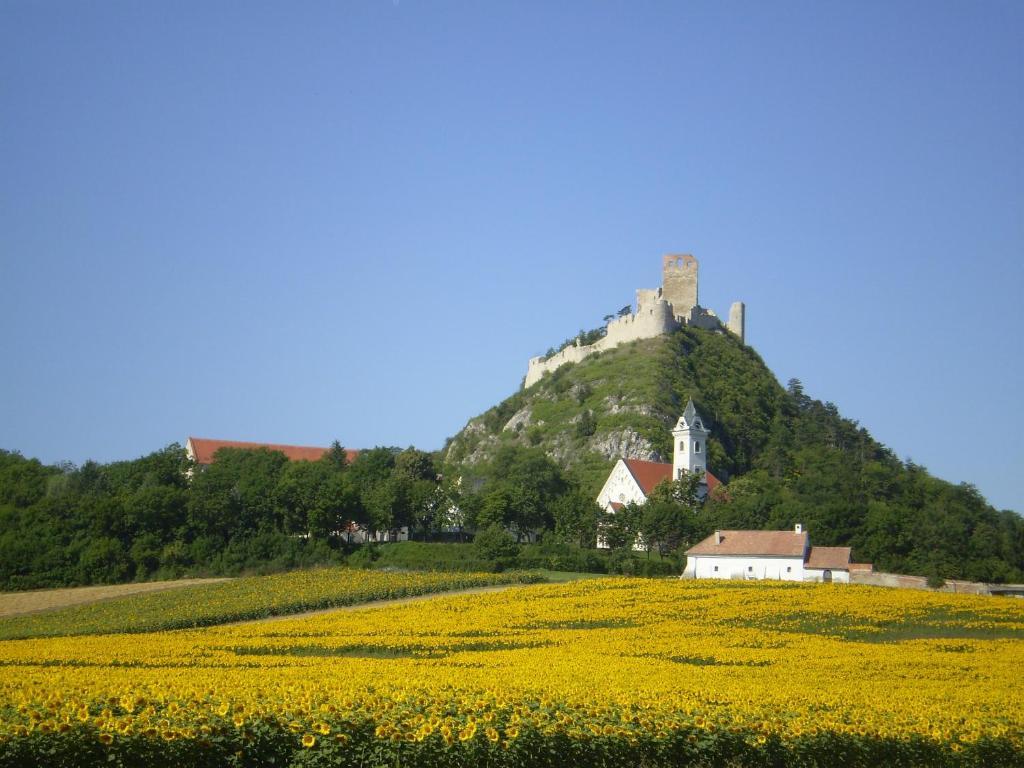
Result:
[
  {"x": 378, "y": 604},
  {"x": 37, "y": 601}
]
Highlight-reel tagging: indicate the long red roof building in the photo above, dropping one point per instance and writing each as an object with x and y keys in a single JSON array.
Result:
[{"x": 201, "y": 450}]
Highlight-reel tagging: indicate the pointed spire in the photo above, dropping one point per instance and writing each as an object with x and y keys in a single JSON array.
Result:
[
  {"x": 690, "y": 418},
  {"x": 690, "y": 413}
]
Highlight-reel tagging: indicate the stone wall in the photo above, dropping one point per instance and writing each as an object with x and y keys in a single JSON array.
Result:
[
  {"x": 538, "y": 366},
  {"x": 652, "y": 319},
  {"x": 738, "y": 320},
  {"x": 902, "y": 581},
  {"x": 698, "y": 317}
]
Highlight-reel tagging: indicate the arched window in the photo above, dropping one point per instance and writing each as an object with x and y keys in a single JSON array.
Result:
[{"x": 696, "y": 446}]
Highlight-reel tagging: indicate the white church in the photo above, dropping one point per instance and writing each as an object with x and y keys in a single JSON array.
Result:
[
  {"x": 782, "y": 555},
  {"x": 632, "y": 480}
]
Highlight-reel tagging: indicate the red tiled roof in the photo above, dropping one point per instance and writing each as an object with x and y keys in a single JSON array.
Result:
[
  {"x": 617, "y": 506},
  {"x": 204, "y": 449},
  {"x": 834, "y": 558},
  {"x": 766, "y": 543},
  {"x": 862, "y": 567},
  {"x": 649, "y": 473}
]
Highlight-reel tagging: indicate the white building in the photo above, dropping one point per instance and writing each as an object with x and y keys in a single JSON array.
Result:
[
  {"x": 782, "y": 555},
  {"x": 633, "y": 480}
]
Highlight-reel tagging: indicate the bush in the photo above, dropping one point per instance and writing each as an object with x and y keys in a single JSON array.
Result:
[
  {"x": 494, "y": 543},
  {"x": 627, "y": 563},
  {"x": 364, "y": 557},
  {"x": 103, "y": 561},
  {"x": 657, "y": 568},
  {"x": 935, "y": 582},
  {"x": 431, "y": 556},
  {"x": 559, "y": 556},
  {"x": 622, "y": 561}
]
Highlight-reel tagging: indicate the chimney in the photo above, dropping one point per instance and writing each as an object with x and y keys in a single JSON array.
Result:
[
  {"x": 718, "y": 537},
  {"x": 798, "y": 529}
]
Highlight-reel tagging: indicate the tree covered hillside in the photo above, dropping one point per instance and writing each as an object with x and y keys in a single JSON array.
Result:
[
  {"x": 160, "y": 517},
  {"x": 785, "y": 457}
]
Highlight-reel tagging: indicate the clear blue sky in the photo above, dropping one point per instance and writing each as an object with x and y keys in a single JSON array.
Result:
[{"x": 297, "y": 222}]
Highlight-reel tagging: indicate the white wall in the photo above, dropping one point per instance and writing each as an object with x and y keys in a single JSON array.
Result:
[
  {"x": 620, "y": 487},
  {"x": 703, "y": 567},
  {"x": 818, "y": 574},
  {"x": 539, "y": 366}
]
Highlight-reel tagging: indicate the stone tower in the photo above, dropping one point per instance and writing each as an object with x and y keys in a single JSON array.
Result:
[
  {"x": 738, "y": 320},
  {"x": 689, "y": 443},
  {"x": 679, "y": 283}
]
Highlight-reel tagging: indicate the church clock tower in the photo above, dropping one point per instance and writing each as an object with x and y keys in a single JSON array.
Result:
[{"x": 689, "y": 444}]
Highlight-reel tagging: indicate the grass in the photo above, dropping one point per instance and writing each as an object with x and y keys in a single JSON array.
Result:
[
  {"x": 36, "y": 601},
  {"x": 560, "y": 577}
]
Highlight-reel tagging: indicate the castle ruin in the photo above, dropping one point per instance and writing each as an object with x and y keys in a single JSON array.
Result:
[{"x": 658, "y": 311}]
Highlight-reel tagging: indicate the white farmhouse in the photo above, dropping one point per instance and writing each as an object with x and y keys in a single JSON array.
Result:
[{"x": 782, "y": 555}]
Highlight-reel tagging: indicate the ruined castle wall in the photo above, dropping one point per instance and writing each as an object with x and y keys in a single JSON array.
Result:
[
  {"x": 652, "y": 320},
  {"x": 646, "y": 298},
  {"x": 679, "y": 282},
  {"x": 538, "y": 366},
  {"x": 649, "y": 321},
  {"x": 659, "y": 311},
  {"x": 698, "y": 317},
  {"x": 738, "y": 320}
]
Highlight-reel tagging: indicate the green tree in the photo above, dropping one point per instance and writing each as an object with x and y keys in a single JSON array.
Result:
[
  {"x": 586, "y": 425},
  {"x": 336, "y": 456},
  {"x": 494, "y": 543},
  {"x": 669, "y": 518},
  {"x": 300, "y": 493},
  {"x": 576, "y": 516},
  {"x": 520, "y": 486},
  {"x": 336, "y": 506},
  {"x": 103, "y": 560},
  {"x": 618, "y": 530}
]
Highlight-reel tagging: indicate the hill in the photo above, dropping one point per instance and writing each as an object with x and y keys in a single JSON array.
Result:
[{"x": 785, "y": 456}]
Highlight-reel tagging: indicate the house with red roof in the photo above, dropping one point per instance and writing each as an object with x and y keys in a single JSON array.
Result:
[
  {"x": 201, "y": 450},
  {"x": 782, "y": 555},
  {"x": 633, "y": 480}
]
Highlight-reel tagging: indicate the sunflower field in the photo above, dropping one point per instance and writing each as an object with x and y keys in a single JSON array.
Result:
[
  {"x": 609, "y": 672},
  {"x": 255, "y": 597}
]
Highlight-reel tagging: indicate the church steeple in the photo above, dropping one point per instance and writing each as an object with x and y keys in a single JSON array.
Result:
[{"x": 690, "y": 443}]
